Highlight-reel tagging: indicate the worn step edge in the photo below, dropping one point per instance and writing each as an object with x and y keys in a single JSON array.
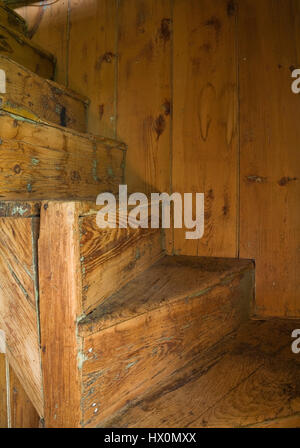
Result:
[
  {"x": 31, "y": 208},
  {"x": 107, "y": 314},
  {"x": 117, "y": 144}
]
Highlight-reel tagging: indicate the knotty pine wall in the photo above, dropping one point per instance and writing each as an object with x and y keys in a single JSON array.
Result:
[{"x": 200, "y": 92}]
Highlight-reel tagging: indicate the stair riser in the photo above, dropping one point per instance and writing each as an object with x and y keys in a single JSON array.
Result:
[
  {"x": 112, "y": 257},
  {"x": 124, "y": 361},
  {"x": 39, "y": 161},
  {"x": 33, "y": 97}
]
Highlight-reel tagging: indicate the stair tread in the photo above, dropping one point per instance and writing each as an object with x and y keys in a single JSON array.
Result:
[
  {"x": 170, "y": 279},
  {"x": 249, "y": 379}
]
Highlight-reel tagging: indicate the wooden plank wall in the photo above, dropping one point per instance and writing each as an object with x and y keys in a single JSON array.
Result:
[
  {"x": 205, "y": 144},
  {"x": 200, "y": 92},
  {"x": 269, "y": 148}
]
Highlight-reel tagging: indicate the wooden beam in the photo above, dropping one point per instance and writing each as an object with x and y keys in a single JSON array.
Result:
[{"x": 60, "y": 307}]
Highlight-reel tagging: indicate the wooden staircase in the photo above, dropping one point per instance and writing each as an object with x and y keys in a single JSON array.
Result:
[{"x": 101, "y": 327}]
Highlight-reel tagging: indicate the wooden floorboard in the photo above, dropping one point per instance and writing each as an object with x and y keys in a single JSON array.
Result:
[{"x": 251, "y": 378}]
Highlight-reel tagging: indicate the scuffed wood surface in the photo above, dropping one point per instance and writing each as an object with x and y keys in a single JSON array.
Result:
[
  {"x": 171, "y": 279},
  {"x": 43, "y": 161},
  {"x": 33, "y": 97},
  {"x": 149, "y": 343},
  {"x": 20, "y": 209},
  {"x": 250, "y": 378},
  {"x": 18, "y": 304},
  {"x": 60, "y": 307}
]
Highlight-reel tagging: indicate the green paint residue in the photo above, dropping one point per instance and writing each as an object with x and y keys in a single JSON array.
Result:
[{"x": 19, "y": 210}]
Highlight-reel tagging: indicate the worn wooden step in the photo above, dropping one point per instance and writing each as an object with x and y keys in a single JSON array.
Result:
[
  {"x": 95, "y": 318},
  {"x": 249, "y": 379},
  {"x": 36, "y": 98},
  {"x": 19, "y": 48},
  {"x": 155, "y": 325},
  {"x": 74, "y": 257},
  {"x": 11, "y": 19},
  {"x": 39, "y": 161}
]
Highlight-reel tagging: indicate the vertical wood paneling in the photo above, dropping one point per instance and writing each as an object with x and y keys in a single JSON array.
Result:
[
  {"x": 270, "y": 156},
  {"x": 205, "y": 142},
  {"x": 144, "y": 92},
  {"x": 23, "y": 413},
  {"x": 93, "y": 59},
  {"x": 137, "y": 58}
]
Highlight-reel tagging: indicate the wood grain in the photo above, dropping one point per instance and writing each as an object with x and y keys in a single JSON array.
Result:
[
  {"x": 205, "y": 137},
  {"x": 93, "y": 60},
  {"x": 270, "y": 158},
  {"x": 17, "y": 47},
  {"x": 147, "y": 341},
  {"x": 18, "y": 304},
  {"x": 3, "y": 392},
  {"x": 31, "y": 96},
  {"x": 23, "y": 413},
  {"x": 166, "y": 281},
  {"x": 246, "y": 379},
  {"x": 60, "y": 306},
  {"x": 40, "y": 161},
  {"x": 112, "y": 257},
  {"x": 144, "y": 92}
]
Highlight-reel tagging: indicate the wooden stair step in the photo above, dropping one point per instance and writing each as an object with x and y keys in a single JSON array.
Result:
[
  {"x": 39, "y": 160},
  {"x": 171, "y": 279},
  {"x": 249, "y": 379},
  {"x": 115, "y": 315},
  {"x": 32, "y": 305},
  {"x": 156, "y": 324},
  {"x": 39, "y": 99},
  {"x": 19, "y": 48},
  {"x": 11, "y": 19}
]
